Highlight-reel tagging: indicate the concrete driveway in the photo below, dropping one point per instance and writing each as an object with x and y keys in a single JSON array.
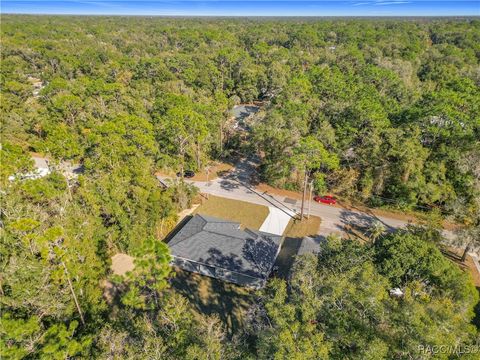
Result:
[{"x": 277, "y": 220}]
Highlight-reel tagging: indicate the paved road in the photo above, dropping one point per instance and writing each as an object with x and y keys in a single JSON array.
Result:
[
  {"x": 333, "y": 218},
  {"x": 237, "y": 185}
]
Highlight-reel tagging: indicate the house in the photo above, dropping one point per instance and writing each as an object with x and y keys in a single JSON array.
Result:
[
  {"x": 43, "y": 167},
  {"x": 242, "y": 114},
  {"x": 221, "y": 249}
]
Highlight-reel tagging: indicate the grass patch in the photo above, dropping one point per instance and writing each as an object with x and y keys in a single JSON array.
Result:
[
  {"x": 214, "y": 297},
  {"x": 216, "y": 170},
  {"x": 307, "y": 227},
  {"x": 247, "y": 214}
]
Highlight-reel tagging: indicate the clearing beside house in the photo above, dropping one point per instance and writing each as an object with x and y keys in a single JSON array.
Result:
[
  {"x": 210, "y": 296},
  {"x": 122, "y": 263},
  {"x": 214, "y": 171},
  {"x": 307, "y": 227}
]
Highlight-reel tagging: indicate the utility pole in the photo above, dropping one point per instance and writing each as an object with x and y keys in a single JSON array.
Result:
[
  {"x": 304, "y": 193},
  {"x": 182, "y": 153},
  {"x": 310, "y": 198},
  {"x": 207, "y": 170}
]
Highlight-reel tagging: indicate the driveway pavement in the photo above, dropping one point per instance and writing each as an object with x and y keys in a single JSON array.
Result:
[{"x": 277, "y": 220}]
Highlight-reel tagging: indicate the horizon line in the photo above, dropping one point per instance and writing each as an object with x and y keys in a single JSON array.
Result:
[{"x": 243, "y": 16}]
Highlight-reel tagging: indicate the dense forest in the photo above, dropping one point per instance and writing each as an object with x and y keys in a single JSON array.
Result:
[{"x": 385, "y": 111}]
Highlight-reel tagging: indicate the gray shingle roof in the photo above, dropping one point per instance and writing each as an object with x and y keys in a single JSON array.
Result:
[
  {"x": 221, "y": 243},
  {"x": 241, "y": 112}
]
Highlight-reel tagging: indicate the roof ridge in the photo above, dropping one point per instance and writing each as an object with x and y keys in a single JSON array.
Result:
[
  {"x": 183, "y": 226},
  {"x": 216, "y": 220},
  {"x": 224, "y": 234},
  {"x": 252, "y": 232},
  {"x": 267, "y": 234},
  {"x": 235, "y": 233},
  {"x": 223, "y": 244}
]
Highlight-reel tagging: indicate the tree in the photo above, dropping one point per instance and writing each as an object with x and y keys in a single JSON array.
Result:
[
  {"x": 14, "y": 161},
  {"x": 290, "y": 333},
  {"x": 376, "y": 230},
  {"x": 312, "y": 154},
  {"x": 341, "y": 297},
  {"x": 468, "y": 212},
  {"x": 148, "y": 279},
  {"x": 172, "y": 331},
  {"x": 385, "y": 111}
]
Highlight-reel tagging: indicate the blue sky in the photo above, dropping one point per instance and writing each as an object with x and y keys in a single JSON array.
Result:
[{"x": 246, "y": 8}]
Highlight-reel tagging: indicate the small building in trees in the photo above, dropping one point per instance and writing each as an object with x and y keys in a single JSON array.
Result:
[
  {"x": 242, "y": 115},
  {"x": 221, "y": 249},
  {"x": 310, "y": 245},
  {"x": 43, "y": 166}
]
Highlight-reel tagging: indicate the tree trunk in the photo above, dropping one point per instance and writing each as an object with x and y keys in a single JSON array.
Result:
[
  {"x": 310, "y": 199},
  {"x": 221, "y": 138},
  {"x": 465, "y": 252},
  {"x": 199, "y": 163},
  {"x": 73, "y": 293},
  {"x": 182, "y": 155}
]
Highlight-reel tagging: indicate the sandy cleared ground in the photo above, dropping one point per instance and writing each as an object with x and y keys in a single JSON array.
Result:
[
  {"x": 215, "y": 170},
  {"x": 122, "y": 263}
]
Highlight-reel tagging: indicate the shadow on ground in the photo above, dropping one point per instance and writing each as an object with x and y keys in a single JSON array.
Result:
[
  {"x": 214, "y": 297},
  {"x": 359, "y": 221},
  {"x": 229, "y": 185},
  {"x": 286, "y": 257},
  {"x": 452, "y": 256},
  {"x": 476, "y": 319}
]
